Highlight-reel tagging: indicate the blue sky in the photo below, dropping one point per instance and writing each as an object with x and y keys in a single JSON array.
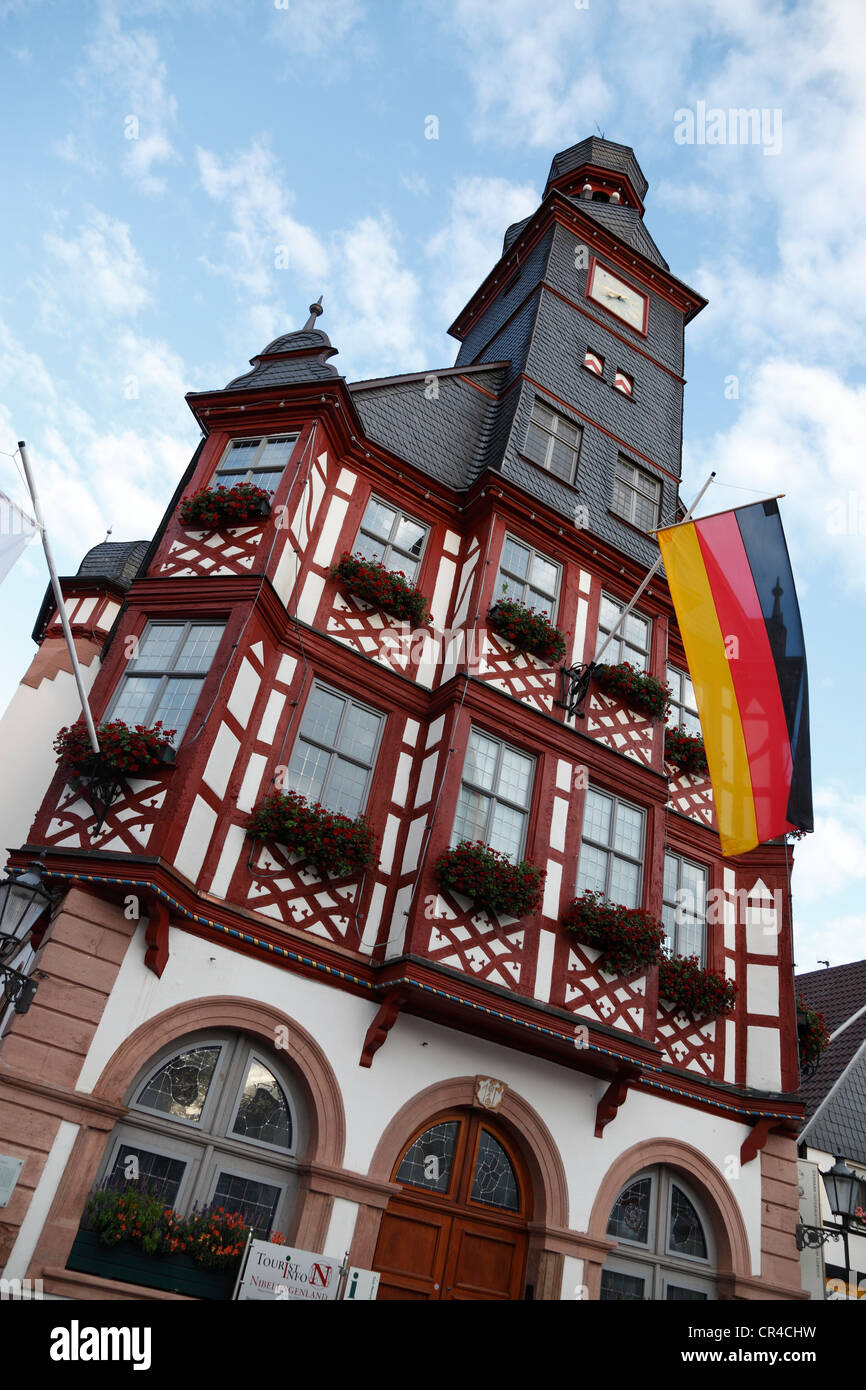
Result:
[{"x": 182, "y": 177}]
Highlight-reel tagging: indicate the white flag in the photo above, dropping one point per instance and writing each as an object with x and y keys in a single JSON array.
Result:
[{"x": 17, "y": 529}]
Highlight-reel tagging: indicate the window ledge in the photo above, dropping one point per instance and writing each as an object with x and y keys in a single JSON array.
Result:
[{"x": 68, "y": 1283}]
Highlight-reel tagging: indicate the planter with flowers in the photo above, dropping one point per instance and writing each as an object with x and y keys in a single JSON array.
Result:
[
  {"x": 217, "y": 508},
  {"x": 697, "y": 990},
  {"x": 527, "y": 630},
  {"x": 686, "y": 752},
  {"x": 490, "y": 878},
  {"x": 124, "y": 752},
  {"x": 130, "y": 1234},
  {"x": 635, "y": 688},
  {"x": 812, "y": 1037},
  {"x": 333, "y": 843},
  {"x": 388, "y": 590},
  {"x": 628, "y": 938}
]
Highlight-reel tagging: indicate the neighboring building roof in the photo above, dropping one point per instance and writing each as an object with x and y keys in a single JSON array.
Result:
[
  {"x": 839, "y": 1125},
  {"x": 444, "y": 433},
  {"x": 112, "y": 562}
]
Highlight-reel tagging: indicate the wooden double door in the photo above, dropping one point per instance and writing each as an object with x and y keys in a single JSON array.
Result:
[{"x": 459, "y": 1228}]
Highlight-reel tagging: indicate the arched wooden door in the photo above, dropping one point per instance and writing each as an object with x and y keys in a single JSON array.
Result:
[{"x": 459, "y": 1230}]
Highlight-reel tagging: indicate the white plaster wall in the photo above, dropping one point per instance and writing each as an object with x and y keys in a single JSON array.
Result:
[
  {"x": 416, "y": 1055},
  {"x": 27, "y": 729}
]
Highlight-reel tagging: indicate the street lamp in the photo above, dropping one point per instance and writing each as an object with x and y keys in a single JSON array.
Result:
[
  {"x": 23, "y": 900},
  {"x": 843, "y": 1194}
]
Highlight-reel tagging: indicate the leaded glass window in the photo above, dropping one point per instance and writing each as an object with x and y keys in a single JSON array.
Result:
[
  {"x": 684, "y": 907},
  {"x": 611, "y": 849},
  {"x": 685, "y": 1236},
  {"x": 391, "y": 537},
  {"x": 665, "y": 1249},
  {"x": 164, "y": 677},
  {"x": 261, "y": 462},
  {"x": 495, "y": 791},
  {"x": 527, "y": 577},
  {"x": 335, "y": 751},
  {"x": 256, "y": 1201},
  {"x": 180, "y": 1087},
  {"x": 632, "y": 642},
  {"x": 553, "y": 441},
  {"x": 622, "y": 1288},
  {"x": 631, "y": 1213},
  {"x": 157, "y": 1173},
  {"x": 494, "y": 1181},
  {"x": 263, "y": 1113},
  {"x": 683, "y": 704},
  {"x": 428, "y": 1161},
  {"x": 636, "y": 495}
]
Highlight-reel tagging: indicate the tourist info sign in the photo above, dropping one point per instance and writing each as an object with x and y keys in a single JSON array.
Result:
[{"x": 277, "y": 1271}]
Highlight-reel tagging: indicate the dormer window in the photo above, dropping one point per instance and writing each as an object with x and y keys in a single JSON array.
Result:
[
  {"x": 261, "y": 462},
  {"x": 553, "y": 441}
]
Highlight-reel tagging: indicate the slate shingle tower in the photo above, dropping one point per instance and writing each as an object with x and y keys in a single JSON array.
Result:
[{"x": 470, "y": 1098}]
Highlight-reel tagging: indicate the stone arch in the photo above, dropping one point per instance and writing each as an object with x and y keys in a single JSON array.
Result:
[{"x": 729, "y": 1228}]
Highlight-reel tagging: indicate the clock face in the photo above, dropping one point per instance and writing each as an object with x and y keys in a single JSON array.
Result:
[{"x": 617, "y": 297}]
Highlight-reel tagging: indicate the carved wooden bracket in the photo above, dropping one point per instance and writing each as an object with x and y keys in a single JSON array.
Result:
[
  {"x": 755, "y": 1140},
  {"x": 613, "y": 1098},
  {"x": 382, "y": 1024},
  {"x": 156, "y": 936}
]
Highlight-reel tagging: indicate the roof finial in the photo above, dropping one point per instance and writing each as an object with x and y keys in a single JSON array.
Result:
[{"x": 315, "y": 310}]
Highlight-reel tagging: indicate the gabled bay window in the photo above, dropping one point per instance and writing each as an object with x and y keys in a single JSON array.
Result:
[
  {"x": 495, "y": 793},
  {"x": 165, "y": 675},
  {"x": 391, "y": 537}
]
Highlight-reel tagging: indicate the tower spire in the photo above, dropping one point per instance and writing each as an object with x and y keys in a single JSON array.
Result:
[{"x": 315, "y": 310}]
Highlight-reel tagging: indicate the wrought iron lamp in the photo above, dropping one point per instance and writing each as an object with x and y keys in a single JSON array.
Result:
[
  {"x": 23, "y": 900},
  {"x": 843, "y": 1193}
]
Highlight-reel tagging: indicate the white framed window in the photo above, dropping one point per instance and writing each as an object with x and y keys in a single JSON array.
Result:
[
  {"x": 165, "y": 677},
  {"x": 684, "y": 907},
  {"x": 335, "y": 751},
  {"x": 495, "y": 793},
  {"x": 390, "y": 536},
  {"x": 684, "y": 706},
  {"x": 213, "y": 1120},
  {"x": 259, "y": 461},
  {"x": 611, "y": 849},
  {"x": 528, "y": 576},
  {"x": 634, "y": 639},
  {"x": 553, "y": 441},
  {"x": 665, "y": 1251},
  {"x": 636, "y": 495}
]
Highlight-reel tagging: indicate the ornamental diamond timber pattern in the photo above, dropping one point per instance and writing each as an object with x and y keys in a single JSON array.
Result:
[
  {"x": 692, "y": 796},
  {"x": 477, "y": 941},
  {"x": 618, "y": 1001},
  {"x": 616, "y": 726},
  {"x": 230, "y": 551},
  {"x": 689, "y": 1041},
  {"x": 358, "y": 624},
  {"x": 523, "y": 676},
  {"x": 287, "y": 890},
  {"x": 128, "y": 824}
]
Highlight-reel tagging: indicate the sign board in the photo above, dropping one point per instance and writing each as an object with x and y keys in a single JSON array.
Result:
[
  {"x": 811, "y": 1259},
  {"x": 279, "y": 1272},
  {"x": 10, "y": 1171},
  {"x": 361, "y": 1285}
]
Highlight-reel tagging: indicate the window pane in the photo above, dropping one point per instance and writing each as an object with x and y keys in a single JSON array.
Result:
[
  {"x": 506, "y": 830},
  {"x": 629, "y": 830},
  {"x": 630, "y": 1217},
  {"x": 515, "y": 558},
  {"x": 410, "y": 536},
  {"x": 592, "y": 870},
  {"x": 540, "y": 602},
  {"x": 543, "y": 575},
  {"x": 379, "y": 519},
  {"x": 135, "y": 699},
  {"x": 480, "y": 763},
  {"x": 621, "y": 1288},
  {"x": 608, "y": 612},
  {"x": 515, "y": 777},
  {"x": 240, "y": 456},
  {"x": 157, "y": 1175},
  {"x": 370, "y": 547},
  {"x": 256, "y": 1201},
  {"x": 180, "y": 1087},
  {"x": 561, "y": 460},
  {"x": 676, "y": 1293},
  {"x": 427, "y": 1162},
  {"x": 670, "y": 884},
  {"x": 199, "y": 648},
  {"x": 494, "y": 1182},
  {"x": 360, "y": 732},
  {"x": 263, "y": 1112},
  {"x": 597, "y": 817},
  {"x": 322, "y": 717},
  {"x": 345, "y": 788},
  {"x": 686, "y": 1236},
  {"x": 636, "y": 629},
  {"x": 176, "y": 705},
  {"x": 276, "y": 453},
  {"x": 307, "y": 767},
  {"x": 536, "y": 444},
  {"x": 470, "y": 819},
  {"x": 157, "y": 647},
  {"x": 624, "y": 881}
]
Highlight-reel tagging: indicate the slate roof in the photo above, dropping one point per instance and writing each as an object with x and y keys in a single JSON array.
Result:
[
  {"x": 625, "y": 223},
  {"x": 840, "y": 1125},
  {"x": 289, "y": 359},
  {"x": 605, "y": 154},
  {"x": 446, "y": 436},
  {"x": 117, "y": 561}
]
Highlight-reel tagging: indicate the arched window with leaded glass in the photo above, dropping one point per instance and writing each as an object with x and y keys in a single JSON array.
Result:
[{"x": 665, "y": 1248}]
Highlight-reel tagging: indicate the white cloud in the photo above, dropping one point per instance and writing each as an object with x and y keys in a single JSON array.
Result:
[
  {"x": 470, "y": 242},
  {"x": 312, "y": 28},
  {"x": 377, "y": 301},
  {"x": 72, "y": 150},
  {"x": 98, "y": 268},
  {"x": 415, "y": 183}
]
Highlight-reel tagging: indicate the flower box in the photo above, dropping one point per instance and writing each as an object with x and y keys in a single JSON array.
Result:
[
  {"x": 124, "y": 751},
  {"x": 686, "y": 752},
  {"x": 219, "y": 507},
  {"x": 684, "y": 981},
  {"x": 388, "y": 590},
  {"x": 640, "y": 692},
  {"x": 529, "y": 631},
  {"x": 812, "y": 1036},
  {"x": 628, "y": 938},
  {"x": 127, "y": 1261},
  {"x": 334, "y": 843},
  {"x": 491, "y": 878}
]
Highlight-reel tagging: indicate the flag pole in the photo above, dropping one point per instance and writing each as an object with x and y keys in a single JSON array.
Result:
[
  {"x": 649, "y": 576},
  {"x": 58, "y": 598}
]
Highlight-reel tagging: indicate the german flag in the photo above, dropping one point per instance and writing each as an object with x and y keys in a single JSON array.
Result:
[{"x": 732, "y": 587}]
